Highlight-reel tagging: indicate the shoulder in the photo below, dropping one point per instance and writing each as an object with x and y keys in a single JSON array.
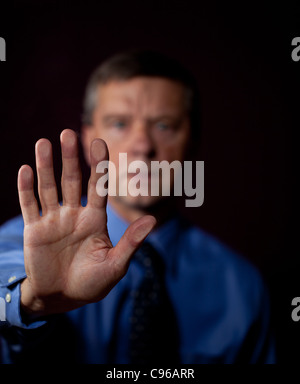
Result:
[
  {"x": 14, "y": 225},
  {"x": 203, "y": 247},
  {"x": 225, "y": 272},
  {"x": 11, "y": 234}
]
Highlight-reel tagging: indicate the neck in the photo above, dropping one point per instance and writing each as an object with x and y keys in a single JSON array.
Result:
[{"x": 162, "y": 210}]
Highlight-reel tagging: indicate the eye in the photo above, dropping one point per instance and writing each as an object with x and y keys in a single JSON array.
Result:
[
  {"x": 119, "y": 124},
  {"x": 161, "y": 126}
]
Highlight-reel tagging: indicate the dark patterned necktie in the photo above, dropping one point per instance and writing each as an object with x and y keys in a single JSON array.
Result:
[{"x": 154, "y": 335}]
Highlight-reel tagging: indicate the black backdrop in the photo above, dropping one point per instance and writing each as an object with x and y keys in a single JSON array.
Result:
[{"x": 241, "y": 56}]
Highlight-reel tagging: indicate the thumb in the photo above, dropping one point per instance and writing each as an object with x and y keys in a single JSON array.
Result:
[{"x": 133, "y": 237}]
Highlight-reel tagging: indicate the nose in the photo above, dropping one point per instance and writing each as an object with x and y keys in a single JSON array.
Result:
[{"x": 142, "y": 144}]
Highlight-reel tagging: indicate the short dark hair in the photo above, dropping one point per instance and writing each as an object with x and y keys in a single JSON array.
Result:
[{"x": 127, "y": 65}]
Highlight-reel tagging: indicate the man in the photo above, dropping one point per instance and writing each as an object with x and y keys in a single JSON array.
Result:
[{"x": 79, "y": 286}]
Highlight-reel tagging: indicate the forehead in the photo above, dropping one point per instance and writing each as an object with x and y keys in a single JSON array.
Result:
[{"x": 141, "y": 94}]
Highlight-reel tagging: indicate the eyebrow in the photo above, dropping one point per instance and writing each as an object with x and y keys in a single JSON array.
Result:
[{"x": 107, "y": 118}]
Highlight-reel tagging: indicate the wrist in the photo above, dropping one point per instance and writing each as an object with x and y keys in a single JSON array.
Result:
[{"x": 31, "y": 307}]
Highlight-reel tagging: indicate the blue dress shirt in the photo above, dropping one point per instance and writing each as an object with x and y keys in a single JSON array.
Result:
[{"x": 220, "y": 303}]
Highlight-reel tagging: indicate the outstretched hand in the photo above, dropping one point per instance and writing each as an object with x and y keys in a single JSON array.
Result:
[{"x": 69, "y": 258}]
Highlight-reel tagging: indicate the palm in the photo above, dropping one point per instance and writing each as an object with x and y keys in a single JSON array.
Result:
[{"x": 69, "y": 259}]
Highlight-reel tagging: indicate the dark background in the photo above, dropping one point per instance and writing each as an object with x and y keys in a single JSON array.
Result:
[{"x": 249, "y": 85}]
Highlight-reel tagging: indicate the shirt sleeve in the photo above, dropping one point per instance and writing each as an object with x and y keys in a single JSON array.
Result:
[
  {"x": 259, "y": 344},
  {"x": 12, "y": 273}
]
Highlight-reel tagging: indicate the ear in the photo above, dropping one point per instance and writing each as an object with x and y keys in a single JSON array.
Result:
[{"x": 88, "y": 134}]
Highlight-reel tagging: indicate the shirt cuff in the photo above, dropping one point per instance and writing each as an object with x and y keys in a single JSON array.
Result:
[{"x": 10, "y": 303}]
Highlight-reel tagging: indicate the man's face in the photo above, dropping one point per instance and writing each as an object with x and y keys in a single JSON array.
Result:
[{"x": 146, "y": 118}]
